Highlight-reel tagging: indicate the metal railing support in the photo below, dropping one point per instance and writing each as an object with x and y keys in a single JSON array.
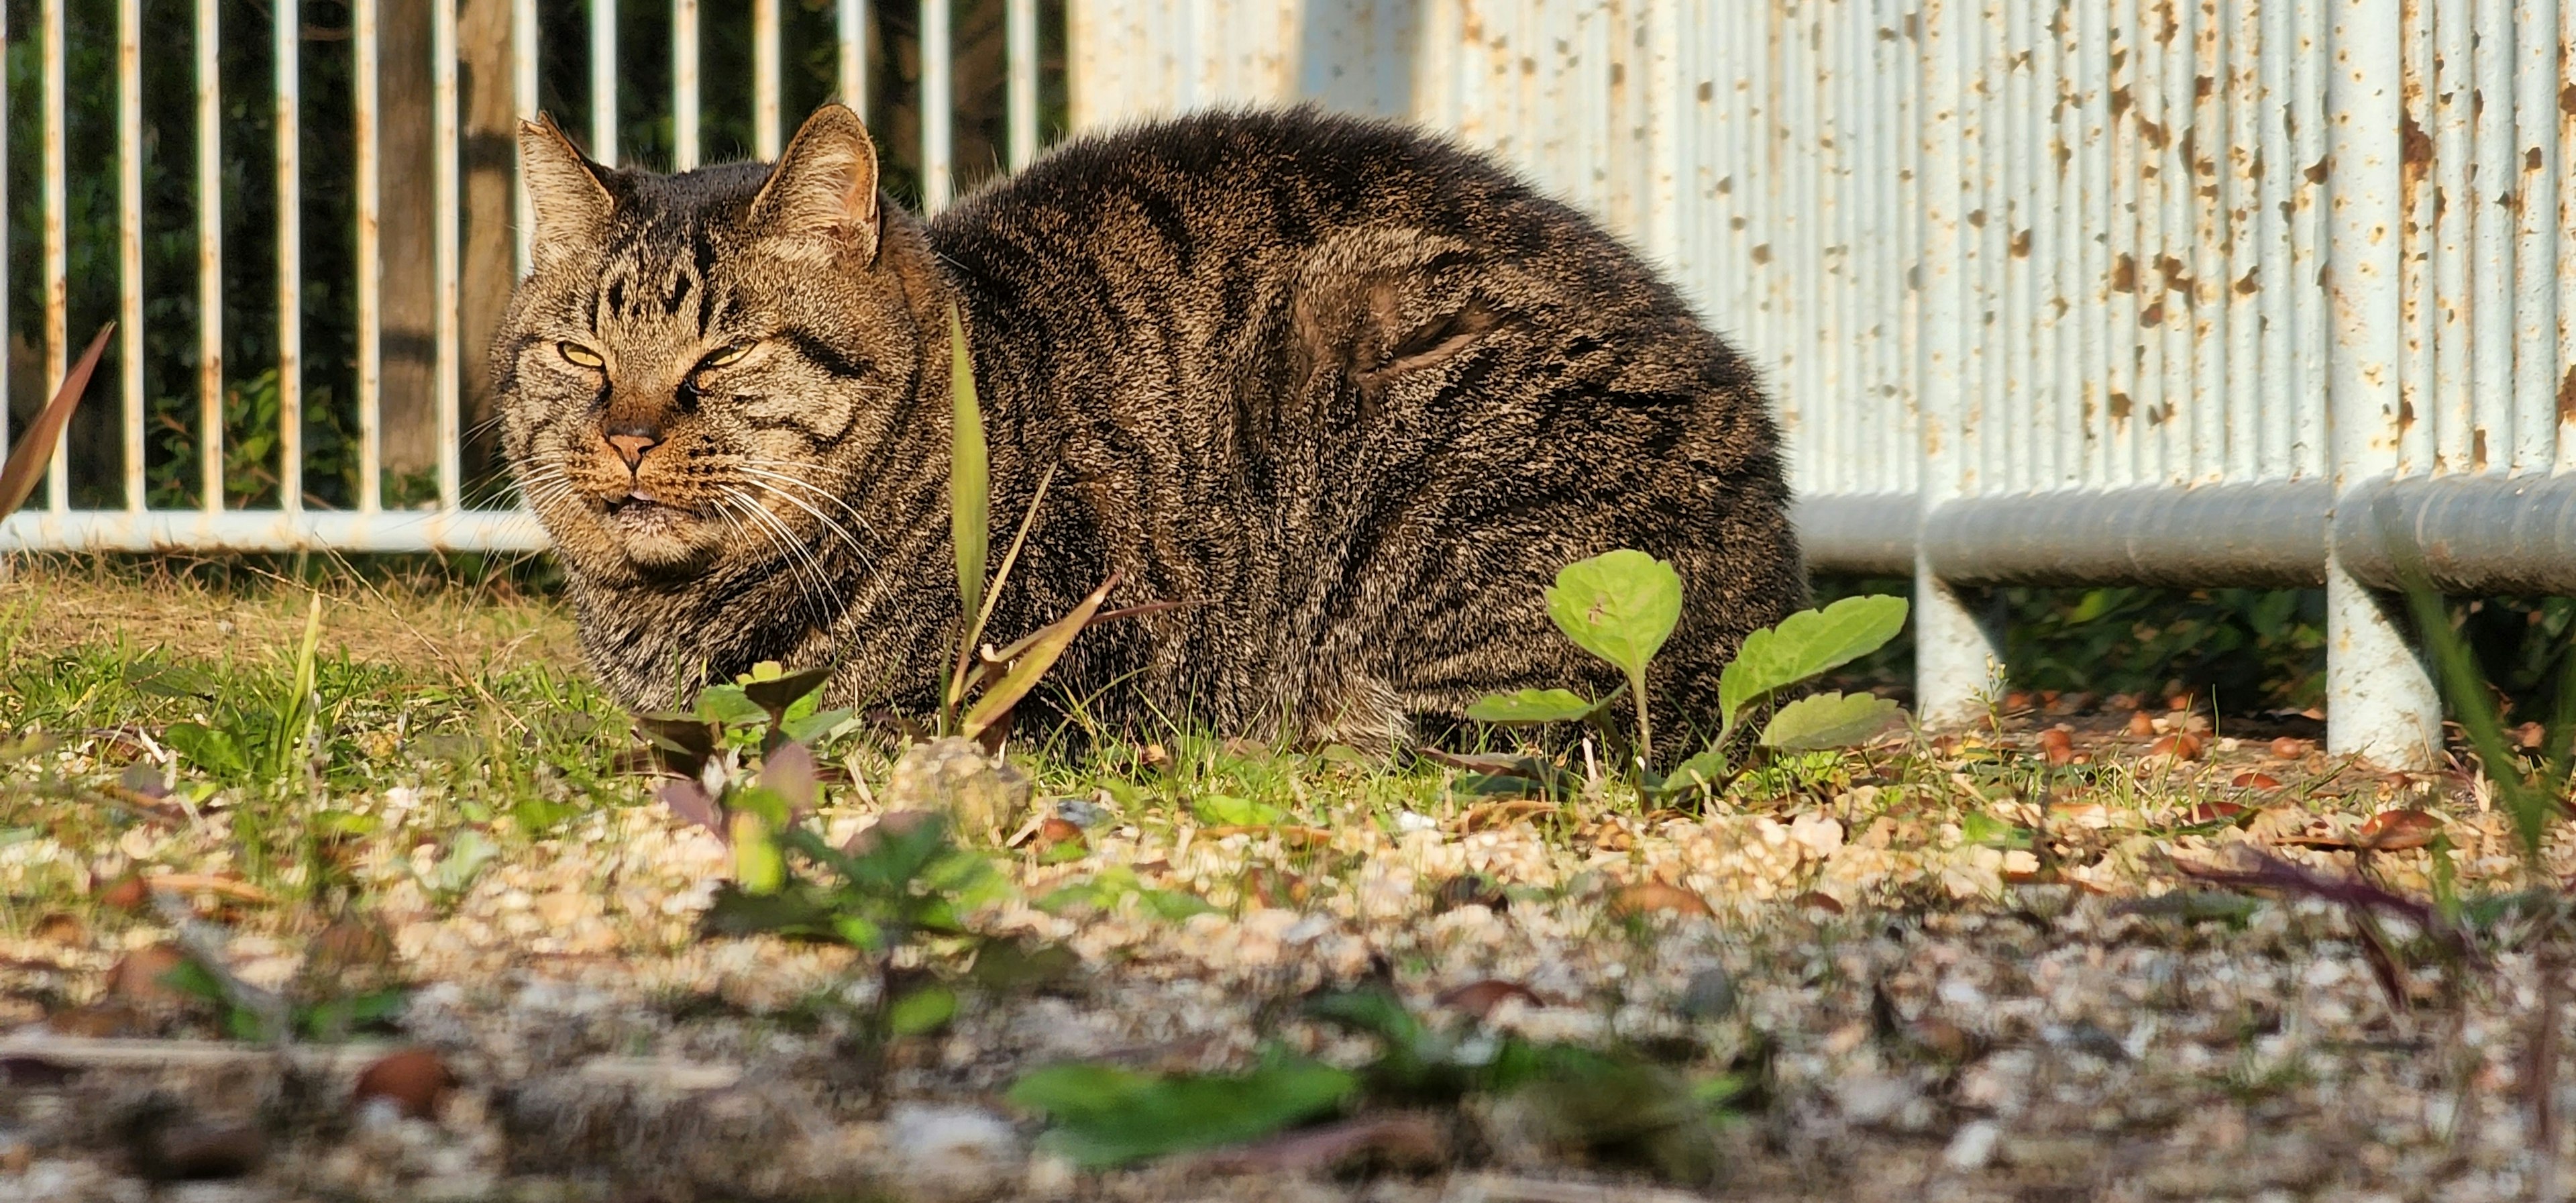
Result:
[
  {"x": 1957, "y": 652},
  {"x": 2380, "y": 701}
]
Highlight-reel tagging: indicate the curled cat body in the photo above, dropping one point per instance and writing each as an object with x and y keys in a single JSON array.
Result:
[{"x": 1347, "y": 394}]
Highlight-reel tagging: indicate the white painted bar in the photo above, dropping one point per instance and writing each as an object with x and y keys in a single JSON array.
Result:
[
  {"x": 1020, "y": 33},
  {"x": 852, "y": 18},
  {"x": 938, "y": 107},
  {"x": 210, "y": 260},
  {"x": 684, "y": 84},
  {"x": 273, "y": 530},
  {"x": 129, "y": 241},
  {"x": 764, "y": 79},
  {"x": 445, "y": 268},
  {"x": 366, "y": 62},
  {"x": 287, "y": 30},
  {"x": 603, "y": 81},
  {"x": 57, "y": 246},
  {"x": 524, "y": 57}
]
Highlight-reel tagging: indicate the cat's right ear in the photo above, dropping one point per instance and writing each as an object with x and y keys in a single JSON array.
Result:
[
  {"x": 563, "y": 187},
  {"x": 821, "y": 199}
]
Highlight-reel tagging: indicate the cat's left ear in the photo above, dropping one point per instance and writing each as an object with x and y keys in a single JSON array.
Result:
[{"x": 821, "y": 199}]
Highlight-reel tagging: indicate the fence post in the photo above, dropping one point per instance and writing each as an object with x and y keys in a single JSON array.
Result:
[
  {"x": 1956, "y": 653},
  {"x": 2380, "y": 701}
]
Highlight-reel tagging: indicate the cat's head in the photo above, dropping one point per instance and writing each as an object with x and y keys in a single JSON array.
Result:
[{"x": 698, "y": 366}]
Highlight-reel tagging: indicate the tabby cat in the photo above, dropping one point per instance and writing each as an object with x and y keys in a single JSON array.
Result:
[{"x": 1348, "y": 394}]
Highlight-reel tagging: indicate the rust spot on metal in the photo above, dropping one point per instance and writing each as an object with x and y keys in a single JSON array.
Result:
[
  {"x": 1725, "y": 185},
  {"x": 1977, "y": 218},
  {"x": 2202, "y": 86},
  {"x": 2319, "y": 170},
  {"x": 1914, "y": 25},
  {"x": 2124, "y": 273},
  {"x": 2567, "y": 397},
  {"x": 2120, "y": 406},
  {"x": 2161, "y": 414},
  {"x": 2177, "y": 274},
  {"x": 2567, "y": 99},
  {"x": 2153, "y": 134},
  {"x": 2246, "y": 285},
  {"x": 2021, "y": 244},
  {"x": 2120, "y": 98},
  {"x": 1735, "y": 223},
  {"x": 2531, "y": 159},
  {"x": 2405, "y": 415},
  {"x": 2152, "y": 315},
  {"x": 1707, "y": 91},
  {"x": 1762, "y": 253},
  {"x": 2478, "y": 450},
  {"x": 2415, "y": 146}
]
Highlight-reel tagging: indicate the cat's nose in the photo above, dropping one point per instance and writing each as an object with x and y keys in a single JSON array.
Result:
[{"x": 632, "y": 442}]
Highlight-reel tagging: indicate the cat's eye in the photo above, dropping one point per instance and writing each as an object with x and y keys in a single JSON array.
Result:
[
  {"x": 579, "y": 355},
  {"x": 724, "y": 355}
]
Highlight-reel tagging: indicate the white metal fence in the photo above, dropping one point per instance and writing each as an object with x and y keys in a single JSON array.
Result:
[
  {"x": 447, "y": 522},
  {"x": 2192, "y": 292}
]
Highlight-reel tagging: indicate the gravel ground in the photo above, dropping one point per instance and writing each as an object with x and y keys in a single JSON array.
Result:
[{"x": 1931, "y": 1019}]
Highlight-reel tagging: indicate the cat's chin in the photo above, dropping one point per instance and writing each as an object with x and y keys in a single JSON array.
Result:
[{"x": 659, "y": 539}]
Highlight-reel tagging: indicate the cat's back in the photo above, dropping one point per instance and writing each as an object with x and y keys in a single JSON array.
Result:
[{"x": 1225, "y": 197}]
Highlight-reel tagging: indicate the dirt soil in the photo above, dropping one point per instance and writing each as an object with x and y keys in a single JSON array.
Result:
[{"x": 1945, "y": 969}]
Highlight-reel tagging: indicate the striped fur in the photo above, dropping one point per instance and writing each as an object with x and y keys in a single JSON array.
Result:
[{"x": 1347, "y": 393}]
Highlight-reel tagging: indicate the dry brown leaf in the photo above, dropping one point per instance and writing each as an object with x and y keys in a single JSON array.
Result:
[
  {"x": 1647, "y": 896},
  {"x": 63, "y": 929},
  {"x": 2180, "y": 746},
  {"x": 412, "y": 1079},
  {"x": 2057, "y": 746},
  {"x": 2253, "y": 780},
  {"x": 1481, "y": 997},
  {"x": 1819, "y": 900},
  {"x": 2140, "y": 725},
  {"x": 2397, "y": 830},
  {"x": 2291, "y": 748}
]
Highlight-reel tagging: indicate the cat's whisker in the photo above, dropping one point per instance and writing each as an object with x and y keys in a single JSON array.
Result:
[
  {"x": 809, "y": 571},
  {"x": 843, "y": 532},
  {"x": 763, "y": 468}
]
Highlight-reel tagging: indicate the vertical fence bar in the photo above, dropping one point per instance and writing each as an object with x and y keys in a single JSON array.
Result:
[
  {"x": 2274, "y": 195},
  {"x": 603, "y": 81},
  {"x": 2121, "y": 344},
  {"x": 523, "y": 101},
  {"x": 2491, "y": 191},
  {"x": 2204, "y": 157},
  {"x": 2445, "y": 82},
  {"x": 288, "y": 33},
  {"x": 2416, "y": 415},
  {"x": 57, "y": 235},
  {"x": 210, "y": 259},
  {"x": 938, "y": 106},
  {"x": 764, "y": 78},
  {"x": 5, "y": 327},
  {"x": 129, "y": 241},
  {"x": 684, "y": 84},
  {"x": 366, "y": 122},
  {"x": 2537, "y": 241},
  {"x": 2095, "y": 221},
  {"x": 1955, "y": 652},
  {"x": 2311, "y": 77},
  {"x": 2380, "y": 702},
  {"x": 852, "y": 18},
  {"x": 1021, "y": 34},
  {"x": 2564, "y": 65},
  {"x": 448, "y": 373}
]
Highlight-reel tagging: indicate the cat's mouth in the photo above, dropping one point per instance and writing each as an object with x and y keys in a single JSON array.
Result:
[{"x": 642, "y": 514}]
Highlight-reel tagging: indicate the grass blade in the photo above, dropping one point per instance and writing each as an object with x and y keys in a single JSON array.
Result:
[
  {"x": 969, "y": 485},
  {"x": 27, "y": 462},
  {"x": 1001, "y": 577},
  {"x": 1043, "y": 651}
]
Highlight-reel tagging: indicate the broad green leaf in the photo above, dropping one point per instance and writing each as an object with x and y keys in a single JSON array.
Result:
[
  {"x": 170, "y": 681},
  {"x": 969, "y": 482},
  {"x": 210, "y": 748},
  {"x": 1226, "y": 810},
  {"x": 1707, "y": 770},
  {"x": 1107, "y": 1116},
  {"x": 816, "y": 727},
  {"x": 1041, "y": 655},
  {"x": 1619, "y": 605},
  {"x": 775, "y": 695},
  {"x": 1531, "y": 706},
  {"x": 1173, "y": 906},
  {"x": 1828, "y": 720},
  {"x": 730, "y": 705},
  {"x": 925, "y": 1009},
  {"x": 1978, "y": 827},
  {"x": 757, "y": 866},
  {"x": 1807, "y": 643}
]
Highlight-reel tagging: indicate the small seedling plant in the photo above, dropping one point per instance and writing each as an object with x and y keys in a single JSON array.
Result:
[{"x": 1623, "y": 605}]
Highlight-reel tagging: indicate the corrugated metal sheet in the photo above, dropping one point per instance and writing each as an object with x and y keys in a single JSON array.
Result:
[{"x": 2047, "y": 291}]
